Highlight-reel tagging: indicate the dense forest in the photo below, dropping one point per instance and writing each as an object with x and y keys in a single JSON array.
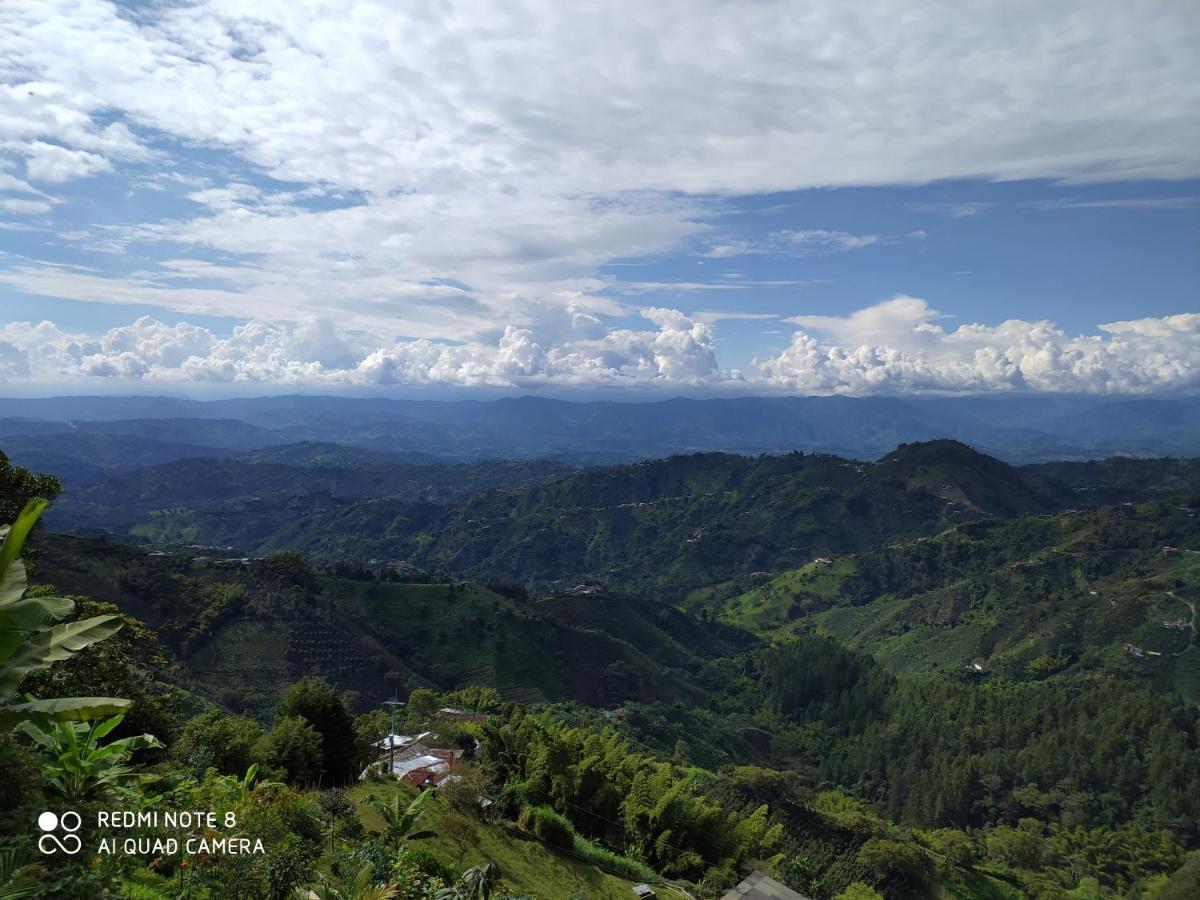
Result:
[{"x": 807, "y": 723}]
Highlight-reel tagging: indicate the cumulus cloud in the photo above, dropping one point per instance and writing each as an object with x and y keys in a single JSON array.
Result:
[
  {"x": 898, "y": 347},
  {"x": 676, "y": 350},
  {"x": 893, "y": 347}
]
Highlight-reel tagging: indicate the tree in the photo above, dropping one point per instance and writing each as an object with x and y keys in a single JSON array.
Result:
[
  {"x": 292, "y": 747},
  {"x": 460, "y": 832},
  {"x": 32, "y": 641},
  {"x": 422, "y": 703},
  {"x": 954, "y": 845},
  {"x": 463, "y": 792},
  {"x": 289, "y": 568},
  {"x": 318, "y": 703},
  {"x": 369, "y": 728},
  {"x": 218, "y": 740},
  {"x": 80, "y": 766},
  {"x": 19, "y": 487},
  {"x": 476, "y": 698},
  {"x": 1021, "y": 847},
  {"x": 1184, "y": 883},
  {"x": 894, "y": 859},
  {"x": 125, "y": 665}
]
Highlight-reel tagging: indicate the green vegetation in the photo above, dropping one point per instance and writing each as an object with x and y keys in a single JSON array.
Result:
[
  {"x": 944, "y": 704},
  {"x": 1027, "y": 599},
  {"x": 240, "y": 630}
]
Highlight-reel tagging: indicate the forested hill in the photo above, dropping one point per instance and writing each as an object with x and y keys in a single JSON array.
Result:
[
  {"x": 1113, "y": 590},
  {"x": 673, "y": 524},
  {"x": 240, "y": 629},
  {"x": 989, "y": 734}
]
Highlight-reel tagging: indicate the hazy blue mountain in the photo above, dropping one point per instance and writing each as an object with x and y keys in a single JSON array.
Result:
[{"x": 1017, "y": 429}]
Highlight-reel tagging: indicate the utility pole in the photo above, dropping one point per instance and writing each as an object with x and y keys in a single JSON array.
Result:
[{"x": 393, "y": 703}]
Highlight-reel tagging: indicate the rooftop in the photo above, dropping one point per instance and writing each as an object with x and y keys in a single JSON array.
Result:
[{"x": 759, "y": 886}]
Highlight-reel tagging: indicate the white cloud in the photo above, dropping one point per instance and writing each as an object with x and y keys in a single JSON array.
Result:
[
  {"x": 375, "y": 95},
  {"x": 893, "y": 347},
  {"x": 678, "y": 351},
  {"x": 23, "y": 206},
  {"x": 802, "y": 242},
  {"x": 897, "y": 347},
  {"x": 491, "y": 157},
  {"x": 49, "y": 162}
]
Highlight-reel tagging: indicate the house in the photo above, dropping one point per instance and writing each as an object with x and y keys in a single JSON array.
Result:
[
  {"x": 428, "y": 777},
  {"x": 644, "y": 892},
  {"x": 759, "y": 886}
]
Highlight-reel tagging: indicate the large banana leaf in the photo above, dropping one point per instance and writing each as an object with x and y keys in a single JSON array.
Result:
[
  {"x": 43, "y": 648},
  {"x": 33, "y": 613},
  {"x": 14, "y": 538},
  {"x": 12, "y": 579},
  {"x": 79, "y": 765},
  {"x": 31, "y": 640},
  {"x": 44, "y": 713}
]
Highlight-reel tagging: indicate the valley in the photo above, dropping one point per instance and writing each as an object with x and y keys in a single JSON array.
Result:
[{"x": 890, "y": 658}]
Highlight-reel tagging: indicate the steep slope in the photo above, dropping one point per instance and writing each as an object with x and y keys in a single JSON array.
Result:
[
  {"x": 1120, "y": 479},
  {"x": 981, "y": 483},
  {"x": 676, "y": 523},
  {"x": 243, "y": 630},
  {"x": 1025, "y": 599}
]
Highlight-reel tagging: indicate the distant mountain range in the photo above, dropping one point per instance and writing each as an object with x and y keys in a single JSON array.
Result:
[
  {"x": 89, "y": 435},
  {"x": 670, "y": 525}
]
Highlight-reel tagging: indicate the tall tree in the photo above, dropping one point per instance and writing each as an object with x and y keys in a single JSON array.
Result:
[{"x": 319, "y": 703}]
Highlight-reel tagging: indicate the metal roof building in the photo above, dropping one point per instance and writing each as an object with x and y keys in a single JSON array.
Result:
[{"x": 759, "y": 886}]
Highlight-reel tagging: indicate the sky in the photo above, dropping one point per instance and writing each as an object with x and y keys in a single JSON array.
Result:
[{"x": 689, "y": 196}]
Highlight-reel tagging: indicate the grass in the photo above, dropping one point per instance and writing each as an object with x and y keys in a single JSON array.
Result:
[
  {"x": 972, "y": 884},
  {"x": 524, "y": 863},
  {"x": 769, "y": 607}
]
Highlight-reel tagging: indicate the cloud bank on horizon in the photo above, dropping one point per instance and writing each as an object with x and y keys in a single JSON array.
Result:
[{"x": 522, "y": 194}]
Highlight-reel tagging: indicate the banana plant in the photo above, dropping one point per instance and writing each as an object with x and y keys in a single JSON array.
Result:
[
  {"x": 33, "y": 636},
  {"x": 243, "y": 786},
  {"x": 357, "y": 885},
  {"x": 399, "y": 818},
  {"x": 477, "y": 883},
  {"x": 80, "y": 766}
]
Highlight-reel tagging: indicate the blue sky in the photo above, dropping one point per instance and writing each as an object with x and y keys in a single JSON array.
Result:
[{"x": 777, "y": 197}]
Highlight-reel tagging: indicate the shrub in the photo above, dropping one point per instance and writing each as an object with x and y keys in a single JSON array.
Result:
[
  {"x": 217, "y": 740},
  {"x": 613, "y": 862},
  {"x": 548, "y": 826},
  {"x": 293, "y": 747}
]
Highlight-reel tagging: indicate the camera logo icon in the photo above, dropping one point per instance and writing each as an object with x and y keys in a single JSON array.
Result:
[{"x": 51, "y": 824}]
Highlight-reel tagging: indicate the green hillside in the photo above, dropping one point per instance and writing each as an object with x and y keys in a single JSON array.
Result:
[
  {"x": 667, "y": 525},
  {"x": 999, "y": 707},
  {"x": 1022, "y": 599},
  {"x": 244, "y": 630}
]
